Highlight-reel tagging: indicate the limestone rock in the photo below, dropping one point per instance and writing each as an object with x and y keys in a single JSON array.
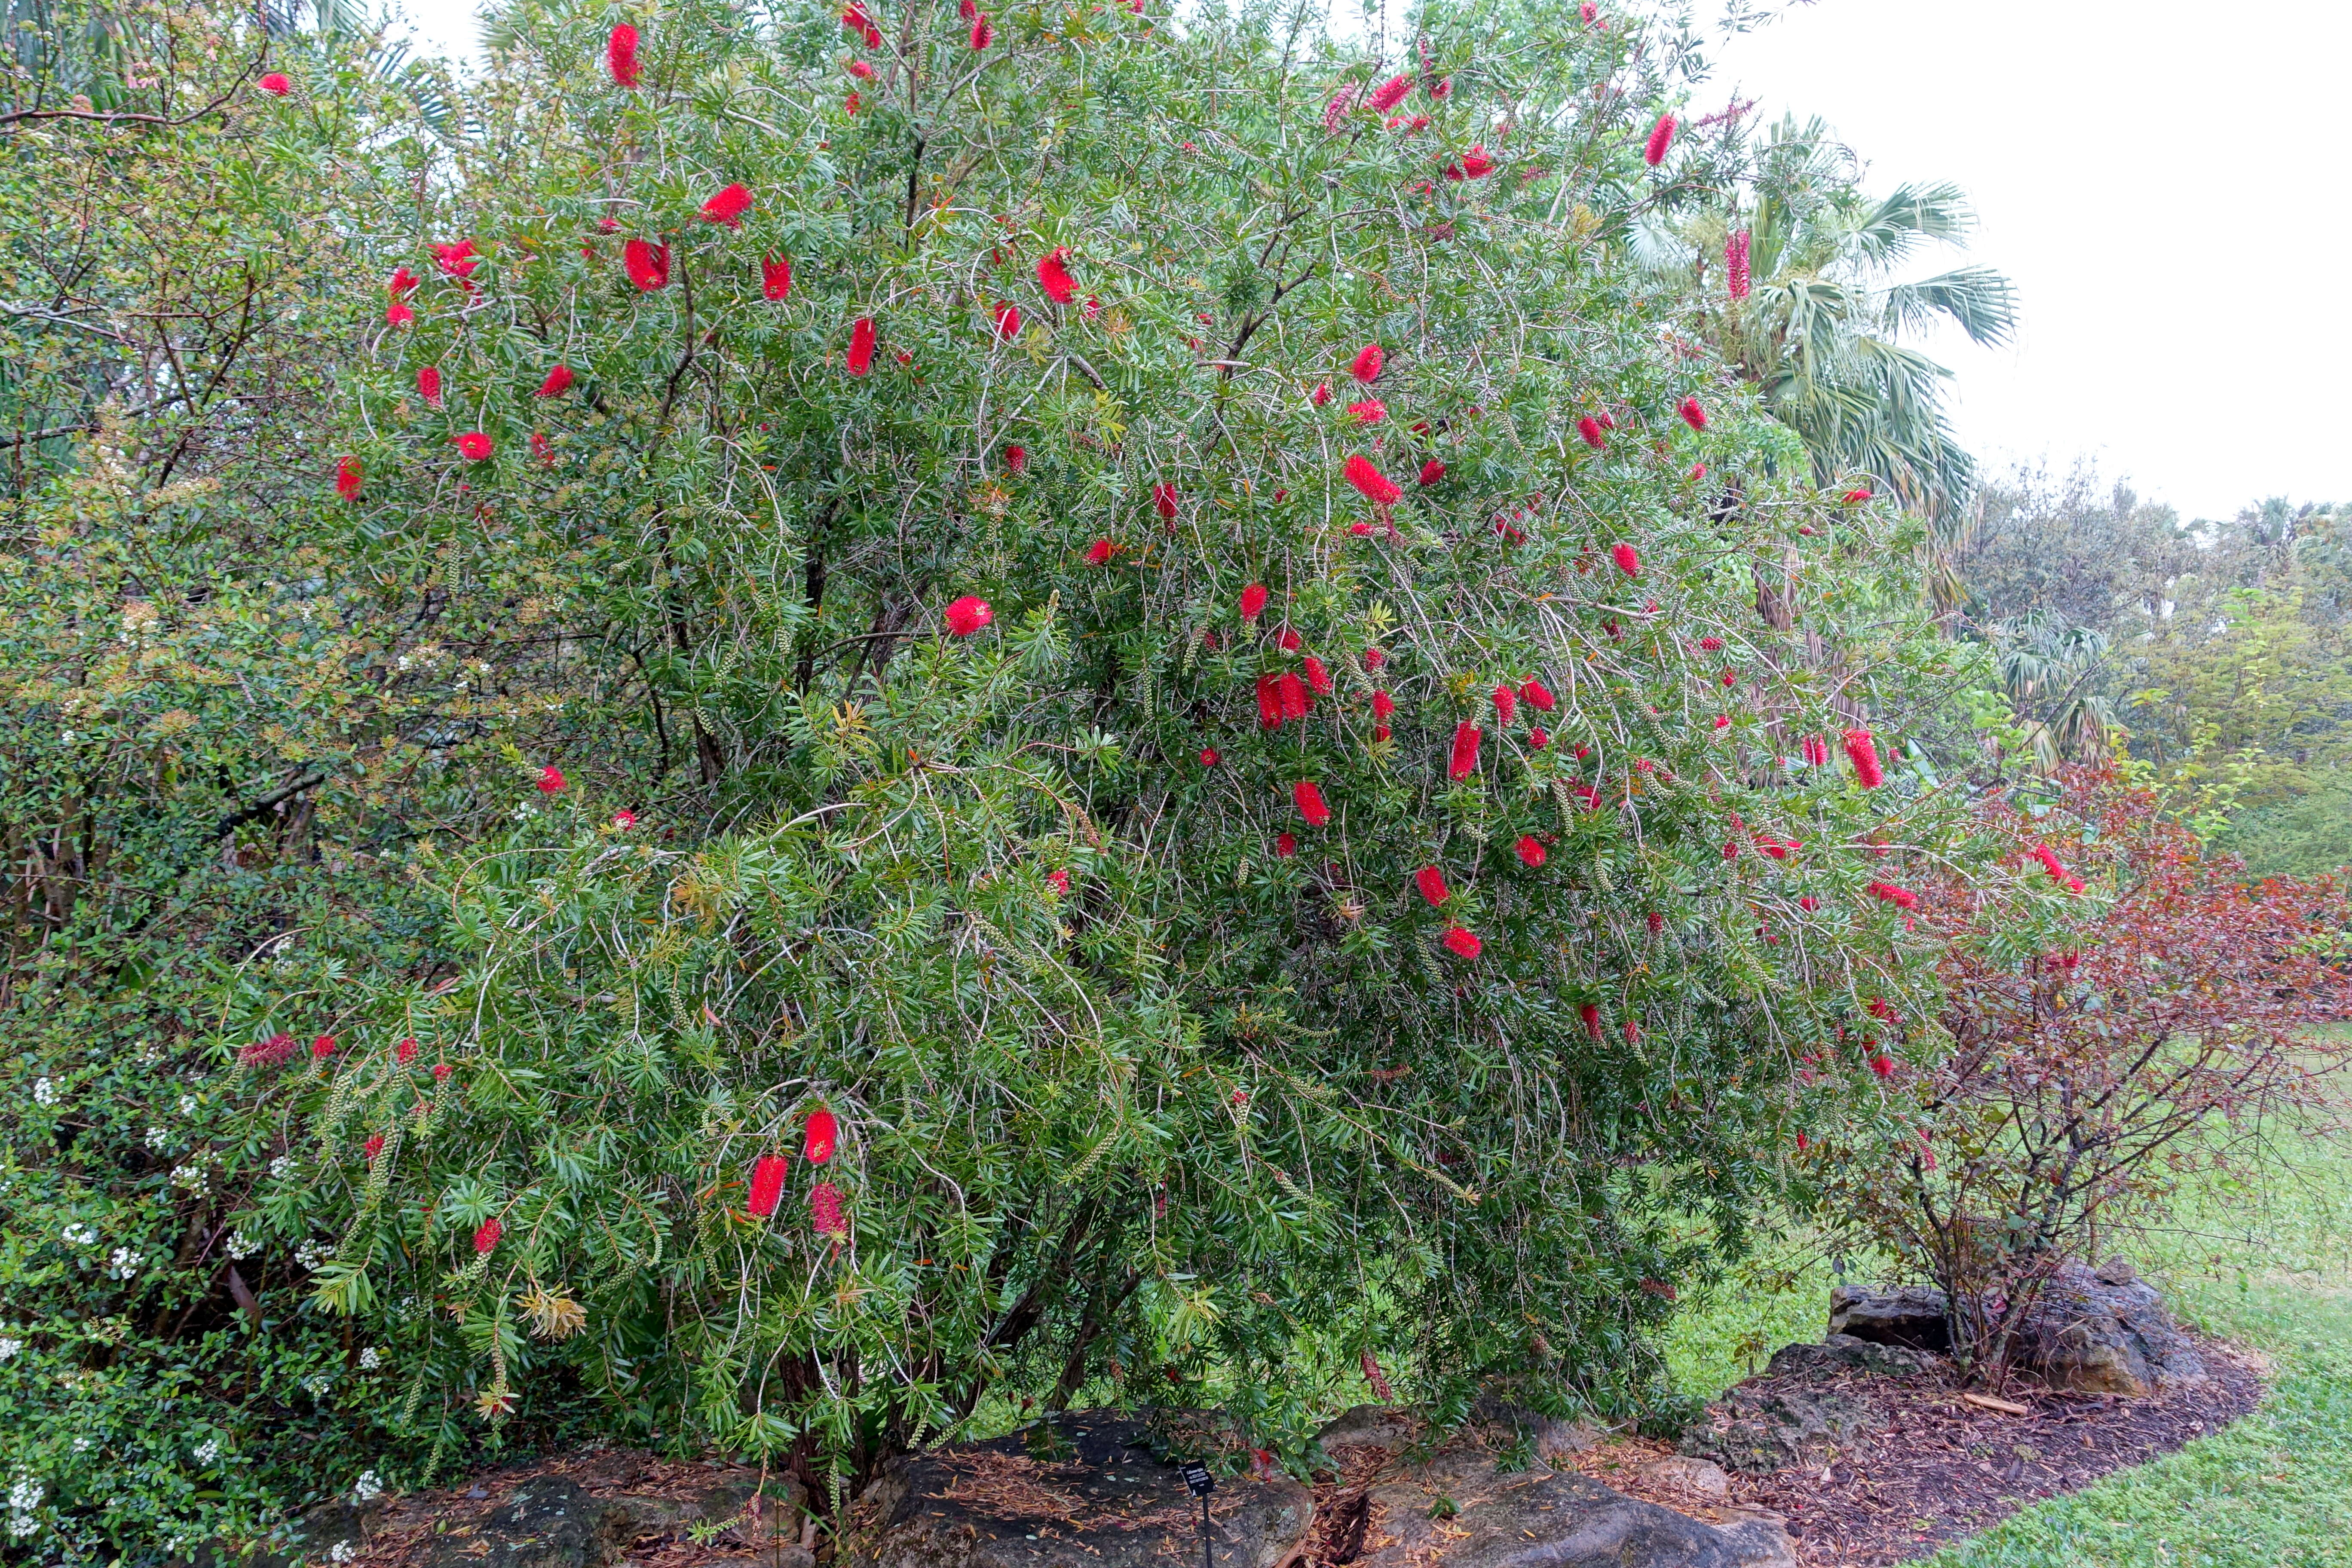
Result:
[
  {"x": 2105, "y": 1332},
  {"x": 1702, "y": 1480},
  {"x": 550, "y": 1523},
  {"x": 1910, "y": 1315},
  {"x": 1756, "y": 1428},
  {"x": 1845, "y": 1352},
  {"x": 1078, "y": 1491}
]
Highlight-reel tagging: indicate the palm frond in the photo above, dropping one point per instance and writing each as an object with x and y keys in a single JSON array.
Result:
[{"x": 1980, "y": 300}]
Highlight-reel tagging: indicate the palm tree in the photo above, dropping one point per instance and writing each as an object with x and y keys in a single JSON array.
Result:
[{"x": 2054, "y": 672}]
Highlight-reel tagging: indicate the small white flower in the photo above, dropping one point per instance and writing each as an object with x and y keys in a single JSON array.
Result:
[
  {"x": 209, "y": 1450},
  {"x": 190, "y": 1176},
  {"x": 125, "y": 1263},
  {"x": 9, "y": 1346},
  {"x": 44, "y": 1092},
  {"x": 84, "y": 1445},
  {"x": 25, "y": 1494},
  {"x": 68, "y": 736},
  {"x": 81, "y": 1235},
  {"x": 404, "y": 661},
  {"x": 318, "y": 1383},
  {"x": 280, "y": 1166},
  {"x": 368, "y": 1488},
  {"x": 23, "y": 1524},
  {"x": 159, "y": 1138},
  {"x": 341, "y": 1552},
  {"x": 371, "y": 1359},
  {"x": 309, "y": 1255},
  {"x": 188, "y": 1105},
  {"x": 241, "y": 1245}
]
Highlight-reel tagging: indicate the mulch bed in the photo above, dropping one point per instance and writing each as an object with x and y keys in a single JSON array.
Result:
[{"x": 1933, "y": 1468}]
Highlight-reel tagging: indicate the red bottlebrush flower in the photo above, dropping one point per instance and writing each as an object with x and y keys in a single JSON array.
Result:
[
  {"x": 1723, "y": 720},
  {"x": 1506, "y": 702},
  {"x": 1628, "y": 558},
  {"x": 624, "y": 819},
  {"x": 1209, "y": 757},
  {"x": 1537, "y": 739},
  {"x": 1379, "y": 731},
  {"x": 1391, "y": 93},
  {"x": 1285, "y": 845},
  {"x": 1380, "y": 1389},
  {"x": 1016, "y": 459},
  {"x": 1587, "y": 13},
  {"x": 1253, "y": 597},
  {"x": 1883, "y": 1066},
  {"x": 1309, "y": 796},
  {"x": 1662, "y": 136},
  {"x": 647, "y": 265},
  {"x": 1059, "y": 880},
  {"x": 1538, "y": 695},
  {"x": 1361, "y": 530},
  {"x": 458, "y": 258},
  {"x": 982, "y": 35},
  {"x": 1383, "y": 706},
  {"x": 441, "y": 1072},
  {"x": 269, "y": 1052},
  {"x": 397, "y": 314},
  {"x": 1877, "y": 1009},
  {"x": 776, "y": 276},
  {"x": 1808, "y": 903},
  {"x": 1608, "y": 421},
  {"x": 1657, "y": 922},
  {"x": 1901, "y": 897},
  {"x": 405, "y": 1052},
  {"x": 322, "y": 1047},
  {"x": 1730, "y": 679},
  {"x": 825, "y": 1210},
  {"x": 821, "y": 1135},
  {"x": 488, "y": 1237},
  {"x": 558, "y": 382},
  {"x": 1816, "y": 751},
  {"x": 1861, "y": 751},
  {"x": 1366, "y": 364},
  {"x": 1444, "y": 89},
  {"x": 1530, "y": 852},
  {"x": 401, "y": 282},
  {"x": 861, "y": 346},
  {"x": 967, "y": 10},
  {"x": 1317, "y": 676},
  {"x": 1464, "y": 761},
  {"x": 1855, "y": 498},
  {"x": 347, "y": 478},
  {"x": 1590, "y": 428},
  {"x": 1163, "y": 501},
  {"x": 428, "y": 384},
  {"x": 1291, "y": 692},
  {"x": 551, "y": 780},
  {"x": 1432, "y": 883},
  {"x": 275, "y": 84},
  {"x": 1054, "y": 277},
  {"x": 1371, "y": 411},
  {"x": 1269, "y": 703},
  {"x": 1632, "y": 1032},
  {"x": 1710, "y": 645},
  {"x": 1337, "y": 110},
  {"x": 1007, "y": 317},
  {"x": 1374, "y": 657},
  {"x": 2074, "y": 884},
  {"x": 475, "y": 445},
  {"x": 1287, "y": 640},
  {"x": 1321, "y": 395},
  {"x": 728, "y": 206},
  {"x": 1591, "y": 1013},
  {"x": 2050, "y": 863},
  {"x": 1100, "y": 553},
  {"x": 767, "y": 1186},
  {"x": 968, "y": 615},
  {"x": 849, "y": 104},
  {"x": 861, "y": 70},
  {"x": 1463, "y": 943},
  {"x": 1735, "y": 264},
  {"x": 1692, "y": 414},
  {"x": 1431, "y": 473},
  {"x": 1731, "y": 850},
  {"x": 621, "y": 55},
  {"x": 1374, "y": 485},
  {"x": 1698, "y": 472},
  {"x": 541, "y": 449},
  {"x": 1475, "y": 165}
]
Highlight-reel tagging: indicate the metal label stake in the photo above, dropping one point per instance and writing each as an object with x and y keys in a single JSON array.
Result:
[{"x": 1200, "y": 1483}]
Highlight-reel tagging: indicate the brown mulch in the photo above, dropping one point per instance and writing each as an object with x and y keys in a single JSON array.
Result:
[
  {"x": 416, "y": 1524},
  {"x": 1933, "y": 1468}
]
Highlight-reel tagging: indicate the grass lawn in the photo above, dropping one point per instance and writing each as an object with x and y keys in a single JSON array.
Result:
[{"x": 2271, "y": 1269}]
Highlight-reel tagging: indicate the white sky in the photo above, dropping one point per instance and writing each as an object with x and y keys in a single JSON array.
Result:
[{"x": 2164, "y": 181}]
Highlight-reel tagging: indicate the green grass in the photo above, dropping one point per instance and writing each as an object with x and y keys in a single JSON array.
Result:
[{"x": 2271, "y": 1268}]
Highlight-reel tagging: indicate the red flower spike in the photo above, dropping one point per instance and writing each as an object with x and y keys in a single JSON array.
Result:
[
  {"x": 1371, "y": 411},
  {"x": 1379, "y": 731},
  {"x": 1590, "y": 428},
  {"x": 1269, "y": 703},
  {"x": 1531, "y": 854},
  {"x": 1883, "y": 1066},
  {"x": 348, "y": 475},
  {"x": 397, "y": 314},
  {"x": 1380, "y": 1389},
  {"x": 1591, "y": 1013},
  {"x": 767, "y": 1186},
  {"x": 1366, "y": 366},
  {"x": 1374, "y": 485},
  {"x": 1309, "y": 798},
  {"x": 550, "y": 780},
  {"x": 1431, "y": 473},
  {"x": 1317, "y": 676},
  {"x": 1628, "y": 558},
  {"x": 822, "y": 1134},
  {"x": 982, "y": 35},
  {"x": 405, "y": 1052},
  {"x": 968, "y": 615},
  {"x": 1808, "y": 903},
  {"x": 1163, "y": 501},
  {"x": 428, "y": 384},
  {"x": 1855, "y": 498},
  {"x": 1693, "y": 414},
  {"x": 1253, "y": 600},
  {"x": 624, "y": 819},
  {"x": 1007, "y": 317},
  {"x": 776, "y": 276},
  {"x": 1287, "y": 640},
  {"x": 322, "y": 1047},
  {"x": 1464, "y": 761},
  {"x": 1735, "y": 264},
  {"x": 457, "y": 259},
  {"x": 1054, "y": 277},
  {"x": 1901, "y": 897},
  {"x": 541, "y": 449},
  {"x": 1321, "y": 395},
  {"x": 1538, "y": 695},
  {"x": 1632, "y": 1032},
  {"x": 1442, "y": 89},
  {"x": 1209, "y": 757},
  {"x": 861, "y": 70},
  {"x": 441, "y": 1072},
  {"x": 1391, "y": 93},
  {"x": 1506, "y": 702},
  {"x": 1657, "y": 922},
  {"x": 1698, "y": 472},
  {"x": 1361, "y": 530},
  {"x": 488, "y": 1235},
  {"x": 1100, "y": 553},
  {"x": 558, "y": 382},
  {"x": 1864, "y": 753},
  {"x": 2050, "y": 863},
  {"x": 1383, "y": 706},
  {"x": 1292, "y": 693},
  {"x": 1016, "y": 459},
  {"x": 728, "y": 205},
  {"x": 1374, "y": 657},
  {"x": 1432, "y": 883},
  {"x": 275, "y": 84},
  {"x": 861, "y": 346},
  {"x": 1463, "y": 943},
  {"x": 825, "y": 1210},
  {"x": 1285, "y": 845},
  {"x": 849, "y": 104},
  {"x": 476, "y": 446},
  {"x": 621, "y": 55},
  {"x": 1662, "y": 136},
  {"x": 1537, "y": 739},
  {"x": 647, "y": 264}
]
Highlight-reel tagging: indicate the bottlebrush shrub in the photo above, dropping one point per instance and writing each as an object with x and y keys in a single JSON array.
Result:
[
  {"x": 2167, "y": 1024},
  {"x": 1237, "y": 1085}
]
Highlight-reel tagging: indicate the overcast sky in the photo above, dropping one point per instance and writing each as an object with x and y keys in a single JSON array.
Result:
[{"x": 2165, "y": 182}]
